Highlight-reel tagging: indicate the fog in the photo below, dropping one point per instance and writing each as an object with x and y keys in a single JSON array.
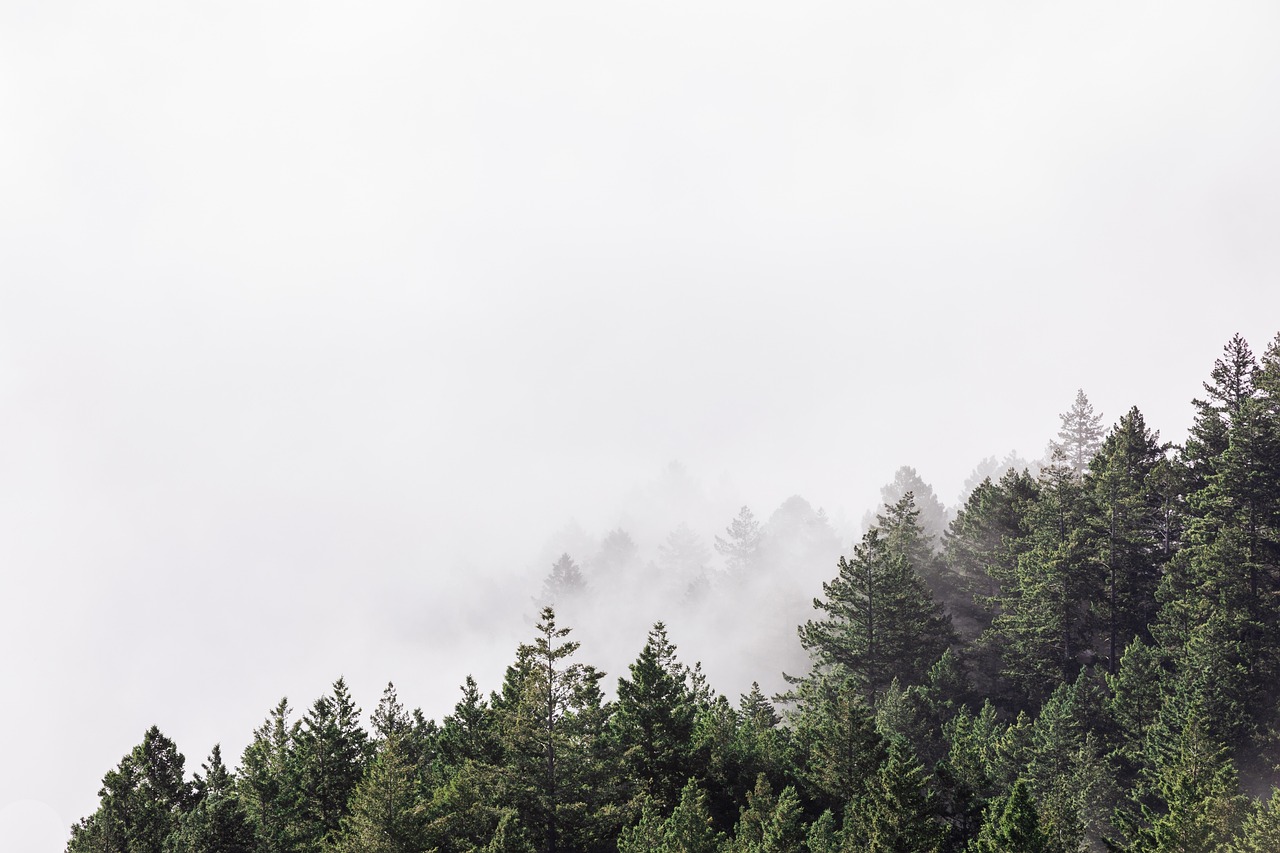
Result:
[{"x": 326, "y": 327}]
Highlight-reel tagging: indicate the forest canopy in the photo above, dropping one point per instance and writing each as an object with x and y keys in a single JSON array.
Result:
[{"x": 1084, "y": 655}]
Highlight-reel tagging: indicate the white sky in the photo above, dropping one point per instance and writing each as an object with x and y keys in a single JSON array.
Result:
[{"x": 305, "y": 306}]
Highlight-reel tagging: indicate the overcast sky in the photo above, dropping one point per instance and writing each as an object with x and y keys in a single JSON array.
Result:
[{"x": 312, "y": 313}]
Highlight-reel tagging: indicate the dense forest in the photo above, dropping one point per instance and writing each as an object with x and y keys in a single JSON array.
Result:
[{"x": 1085, "y": 655}]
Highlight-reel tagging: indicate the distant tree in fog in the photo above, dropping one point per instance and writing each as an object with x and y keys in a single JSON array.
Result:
[
  {"x": 1081, "y": 433},
  {"x": 684, "y": 554},
  {"x": 933, "y": 516},
  {"x": 564, "y": 583},
  {"x": 617, "y": 551},
  {"x": 797, "y": 536},
  {"x": 742, "y": 549}
]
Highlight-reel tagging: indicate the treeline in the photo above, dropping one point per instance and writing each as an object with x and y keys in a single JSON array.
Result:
[{"x": 1087, "y": 659}]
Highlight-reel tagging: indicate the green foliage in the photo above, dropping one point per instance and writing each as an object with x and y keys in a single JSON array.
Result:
[
  {"x": 653, "y": 720},
  {"x": 142, "y": 801},
  {"x": 687, "y": 829},
  {"x": 1114, "y": 681},
  {"x": 895, "y": 811},
  {"x": 881, "y": 620},
  {"x": 384, "y": 814},
  {"x": 217, "y": 823},
  {"x": 1011, "y": 825}
]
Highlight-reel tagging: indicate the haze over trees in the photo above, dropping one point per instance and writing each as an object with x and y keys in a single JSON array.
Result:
[{"x": 1086, "y": 658}]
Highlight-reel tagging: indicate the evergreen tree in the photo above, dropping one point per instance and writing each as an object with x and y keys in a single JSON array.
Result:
[
  {"x": 1044, "y": 627},
  {"x": 654, "y": 718},
  {"x": 1011, "y": 826},
  {"x": 217, "y": 823},
  {"x": 1080, "y": 434},
  {"x": 270, "y": 784},
  {"x": 769, "y": 824},
  {"x": 469, "y": 734},
  {"x": 895, "y": 810},
  {"x": 983, "y": 544},
  {"x": 881, "y": 621},
  {"x": 688, "y": 829},
  {"x": 742, "y": 550},
  {"x": 332, "y": 753},
  {"x": 1128, "y": 514},
  {"x": 838, "y": 747},
  {"x": 1260, "y": 832},
  {"x": 551, "y": 723},
  {"x": 933, "y": 518},
  {"x": 384, "y": 812},
  {"x": 141, "y": 802},
  {"x": 564, "y": 584}
]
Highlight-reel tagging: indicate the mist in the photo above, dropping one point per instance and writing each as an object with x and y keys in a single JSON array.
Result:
[{"x": 326, "y": 329}]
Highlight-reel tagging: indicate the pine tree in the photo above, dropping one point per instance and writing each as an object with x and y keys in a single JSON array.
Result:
[
  {"x": 564, "y": 584},
  {"x": 933, "y": 518},
  {"x": 769, "y": 824},
  {"x": 1128, "y": 513},
  {"x": 270, "y": 784},
  {"x": 1260, "y": 832},
  {"x": 385, "y": 815},
  {"x": 881, "y": 621},
  {"x": 838, "y": 747},
  {"x": 551, "y": 722},
  {"x": 141, "y": 802},
  {"x": 1044, "y": 627},
  {"x": 469, "y": 734},
  {"x": 688, "y": 829},
  {"x": 654, "y": 718},
  {"x": 984, "y": 542},
  {"x": 742, "y": 550},
  {"x": 1080, "y": 434},
  {"x": 895, "y": 810},
  {"x": 1011, "y": 825},
  {"x": 333, "y": 751},
  {"x": 217, "y": 823}
]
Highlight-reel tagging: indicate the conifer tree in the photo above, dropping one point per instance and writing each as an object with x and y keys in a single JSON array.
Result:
[
  {"x": 838, "y": 747},
  {"x": 217, "y": 823},
  {"x": 1127, "y": 511},
  {"x": 1080, "y": 434},
  {"x": 384, "y": 814},
  {"x": 688, "y": 829},
  {"x": 269, "y": 782},
  {"x": 141, "y": 802},
  {"x": 769, "y": 824},
  {"x": 564, "y": 583},
  {"x": 742, "y": 549},
  {"x": 468, "y": 734},
  {"x": 1011, "y": 825},
  {"x": 895, "y": 811},
  {"x": 1260, "y": 832},
  {"x": 551, "y": 722},
  {"x": 332, "y": 752},
  {"x": 1045, "y": 619},
  {"x": 881, "y": 621},
  {"x": 654, "y": 718}
]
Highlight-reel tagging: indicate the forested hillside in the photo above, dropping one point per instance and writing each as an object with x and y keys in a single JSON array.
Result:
[{"x": 1085, "y": 655}]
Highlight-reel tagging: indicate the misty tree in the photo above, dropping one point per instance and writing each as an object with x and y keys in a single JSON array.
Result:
[
  {"x": 1080, "y": 435},
  {"x": 617, "y": 554},
  {"x": 933, "y": 515},
  {"x": 798, "y": 537},
  {"x": 564, "y": 583},
  {"x": 684, "y": 556},
  {"x": 742, "y": 548}
]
